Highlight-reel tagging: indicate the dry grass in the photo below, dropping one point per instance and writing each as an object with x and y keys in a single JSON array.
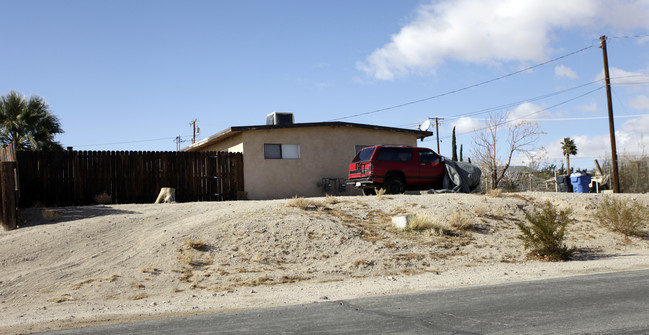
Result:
[
  {"x": 150, "y": 269},
  {"x": 422, "y": 223},
  {"x": 460, "y": 220},
  {"x": 308, "y": 204},
  {"x": 379, "y": 193},
  {"x": 92, "y": 280},
  {"x": 64, "y": 298},
  {"x": 196, "y": 255},
  {"x": 198, "y": 245},
  {"x": 51, "y": 215},
  {"x": 139, "y": 296},
  {"x": 103, "y": 198},
  {"x": 624, "y": 216},
  {"x": 495, "y": 193},
  {"x": 138, "y": 286}
]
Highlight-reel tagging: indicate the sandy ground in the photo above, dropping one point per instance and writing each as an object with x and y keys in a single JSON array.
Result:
[{"x": 83, "y": 266}]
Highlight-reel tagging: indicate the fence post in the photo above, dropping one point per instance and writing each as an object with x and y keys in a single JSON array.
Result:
[{"x": 8, "y": 182}]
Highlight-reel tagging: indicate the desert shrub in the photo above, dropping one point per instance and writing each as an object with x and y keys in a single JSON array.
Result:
[
  {"x": 421, "y": 223},
  {"x": 379, "y": 193},
  {"x": 103, "y": 198},
  {"x": 307, "y": 204},
  {"x": 460, "y": 220},
  {"x": 495, "y": 193},
  {"x": 624, "y": 216},
  {"x": 545, "y": 236}
]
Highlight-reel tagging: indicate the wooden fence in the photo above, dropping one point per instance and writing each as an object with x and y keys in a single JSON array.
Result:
[
  {"x": 8, "y": 188},
  {"x": 64, "y": 178}
]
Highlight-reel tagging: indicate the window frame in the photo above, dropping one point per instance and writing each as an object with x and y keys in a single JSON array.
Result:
[{"x": 284, "y": 151}]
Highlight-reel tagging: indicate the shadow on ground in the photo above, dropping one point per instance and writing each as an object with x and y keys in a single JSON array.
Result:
[
  {"x": 591, "y": 254},
  {"x": 38, "y": 216}
]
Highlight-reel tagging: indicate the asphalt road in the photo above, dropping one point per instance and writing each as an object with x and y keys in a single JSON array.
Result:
[{"x": 616, "y": 303}]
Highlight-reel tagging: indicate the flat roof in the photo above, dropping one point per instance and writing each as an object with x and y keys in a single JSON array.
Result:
[{"x": 238, "y": 129}]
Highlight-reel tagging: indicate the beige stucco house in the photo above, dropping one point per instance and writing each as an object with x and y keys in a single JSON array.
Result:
[{"x": 301, "y": 159}]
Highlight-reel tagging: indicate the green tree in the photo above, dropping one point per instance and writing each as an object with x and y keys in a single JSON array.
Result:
[
  {"x": 454, "y": 147},
  {"x": 461, "y": 153},
  {"x": 569, "y": 148},
  {"x": 28, "y": 123}
]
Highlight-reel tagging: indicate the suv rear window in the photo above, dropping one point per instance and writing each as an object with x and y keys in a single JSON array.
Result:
[
  {"x": 364, "y": 155},
  {"x": 394, "y": 154}
]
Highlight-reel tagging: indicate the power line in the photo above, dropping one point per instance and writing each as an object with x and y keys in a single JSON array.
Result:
[
  {"x": 516, "y": 103},
  {"x": 512, "y": 104},
  {"x": 129, "y": 142},
  {"x": 466, "y": 87},
  {"x": 536, "y": 112}
]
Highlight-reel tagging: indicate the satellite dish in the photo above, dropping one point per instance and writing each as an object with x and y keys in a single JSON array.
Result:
[{"x": 425, "y": 125}]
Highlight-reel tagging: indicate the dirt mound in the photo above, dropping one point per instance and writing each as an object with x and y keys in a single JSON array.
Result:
[{"x": 77, "y": 266}]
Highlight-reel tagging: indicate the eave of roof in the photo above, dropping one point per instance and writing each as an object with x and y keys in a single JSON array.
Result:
[{"x": 226, "y": 133}]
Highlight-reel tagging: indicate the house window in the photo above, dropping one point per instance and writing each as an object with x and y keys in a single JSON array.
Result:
[
  {"x": 359, "y": 147},
  {"x": 281, "y": 151}
]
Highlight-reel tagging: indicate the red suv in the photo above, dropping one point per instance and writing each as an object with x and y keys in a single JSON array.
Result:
[{"x": 396, "y": 169}]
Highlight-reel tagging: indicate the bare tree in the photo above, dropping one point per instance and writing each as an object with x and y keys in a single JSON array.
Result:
[{"x": 521, "y": 137}]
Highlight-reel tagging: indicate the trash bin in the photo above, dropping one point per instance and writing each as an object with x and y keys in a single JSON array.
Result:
[
  {"x": 564, "y": 184},
  {"x": 580, "y": 182}
]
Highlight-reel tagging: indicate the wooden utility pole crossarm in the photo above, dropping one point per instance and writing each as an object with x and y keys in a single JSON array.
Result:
[{"x": 611, "y": 126}]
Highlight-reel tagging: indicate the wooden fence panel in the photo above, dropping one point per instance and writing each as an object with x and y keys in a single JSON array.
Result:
[{"x": 76, "y": 177}]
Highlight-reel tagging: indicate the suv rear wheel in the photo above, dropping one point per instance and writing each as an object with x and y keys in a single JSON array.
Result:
[{"x": 394, "y": 185}]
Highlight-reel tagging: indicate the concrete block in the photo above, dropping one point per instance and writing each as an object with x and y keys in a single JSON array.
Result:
[{"x": 401, "y": 221}]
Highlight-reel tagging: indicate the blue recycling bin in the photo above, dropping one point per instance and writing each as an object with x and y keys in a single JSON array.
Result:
[{"x": 580, "y": 182}]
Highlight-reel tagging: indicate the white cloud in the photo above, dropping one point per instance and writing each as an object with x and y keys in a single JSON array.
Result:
[
  {"x": 466, "y": 125},
  {"x": 637, "y": 127},
  {"x": 591, "y": 107},
  {"x": 640, "y": 102},
  {"x": 527, "y": 111},
  {"x": 490, "y": 31},
  {"x": 622, "y": 77},
  {"x": 564, "y": 71},
  {"x": 630, "y": 139}
]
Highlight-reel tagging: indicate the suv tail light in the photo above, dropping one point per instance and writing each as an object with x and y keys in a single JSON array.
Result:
[{"x": 366, "y": 168}]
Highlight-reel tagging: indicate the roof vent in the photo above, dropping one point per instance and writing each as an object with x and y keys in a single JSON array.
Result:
[{"x": 279, "y": 119}]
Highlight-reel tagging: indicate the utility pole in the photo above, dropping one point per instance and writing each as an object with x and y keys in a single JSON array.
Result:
[
  {"x": 178, "y": 140},
  {"x": 437, "y": 119},
  {"x": 611, "y": 126},
  {"x": 193, "y": 124}
]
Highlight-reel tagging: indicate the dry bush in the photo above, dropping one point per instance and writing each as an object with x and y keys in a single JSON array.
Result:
[
  {"x": 64, "y": 298},
  {"x": 379, "y": 193},
  {"x": 199, "y": 245},
  {"x": 545, "y": 237},
  {"x": 196, "y": 255},
  {"x": 495, "y": 193},
  {"x": 138, "y": 296},
  {"x": 51, "y": 215},
  {"x": 331, "y": 200},
  {"x": 150, "y": 269},
  {"x": 624, "y": 216},
  {"x": 307, "y": 204},
  {"x": 103, "y": 198},
  {"x": 460, "y": 220},
  {"x": 422, "y": 223}
]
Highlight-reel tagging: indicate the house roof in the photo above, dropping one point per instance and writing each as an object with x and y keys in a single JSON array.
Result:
[{"x": 222, "y": 135}]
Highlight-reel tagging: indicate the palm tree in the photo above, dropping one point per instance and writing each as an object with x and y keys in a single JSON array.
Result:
[
  {"x": 569, "y": 148},
  {"x": 28, "y": 123}
]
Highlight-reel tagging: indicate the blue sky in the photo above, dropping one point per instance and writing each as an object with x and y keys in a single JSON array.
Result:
[{"x": 132, "y": 75}]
